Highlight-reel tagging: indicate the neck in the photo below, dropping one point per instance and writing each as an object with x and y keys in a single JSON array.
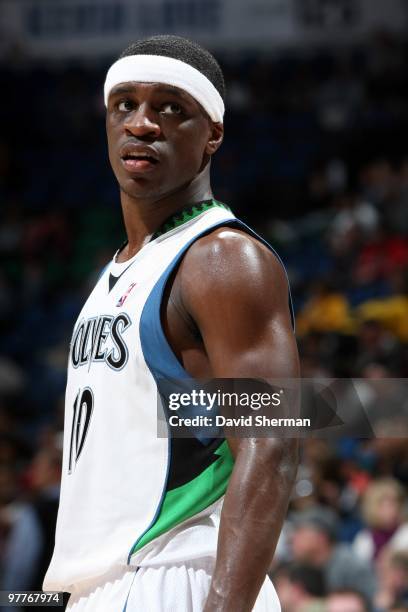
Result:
[{"x": 142, "y": 217}]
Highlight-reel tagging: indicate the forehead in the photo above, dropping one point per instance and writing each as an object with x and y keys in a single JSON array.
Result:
[{"x": 146, "y": 89}]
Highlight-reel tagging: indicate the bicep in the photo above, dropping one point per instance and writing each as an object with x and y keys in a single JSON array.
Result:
[
  {"x": 240, "y": 304},
  {"x": 264, "y": 348}
]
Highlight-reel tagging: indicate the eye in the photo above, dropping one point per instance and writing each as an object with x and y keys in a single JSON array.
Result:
[
  {"x": 171, "y": 108},
  {"x": 124, "y": 106}
]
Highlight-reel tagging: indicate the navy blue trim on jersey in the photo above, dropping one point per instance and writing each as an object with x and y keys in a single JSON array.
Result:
[
  {"x": 131, "y": 584},
  {"x": 101, "y": 273}
]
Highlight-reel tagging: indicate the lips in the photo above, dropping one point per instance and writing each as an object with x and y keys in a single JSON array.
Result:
[
  {"x": 138, "y": 165},
  {"x": 138, "y": 158}
]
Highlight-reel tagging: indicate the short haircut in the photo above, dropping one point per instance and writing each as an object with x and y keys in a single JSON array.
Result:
[
  {"x": 310, "y": 578},
  {"x": 184, "y": 50}
]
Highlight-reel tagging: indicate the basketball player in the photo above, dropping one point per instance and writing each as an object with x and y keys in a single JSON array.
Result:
[{"x": 152, "y": 524}]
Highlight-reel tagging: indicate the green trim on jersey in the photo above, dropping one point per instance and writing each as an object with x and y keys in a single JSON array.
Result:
[
  {"x": 187, "y": 214},
  {"x": 191, "y": 498}
]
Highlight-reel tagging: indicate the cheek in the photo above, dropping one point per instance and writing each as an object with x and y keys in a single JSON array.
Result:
[
  {"x": 110, "y": 147},
  {"x": 190, "y": 146},
  {"x": 112, "y": 137},
  {"x": 392, "y": 513}
]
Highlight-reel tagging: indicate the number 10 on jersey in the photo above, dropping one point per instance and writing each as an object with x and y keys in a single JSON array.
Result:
[{"x": 81, "y": 417}]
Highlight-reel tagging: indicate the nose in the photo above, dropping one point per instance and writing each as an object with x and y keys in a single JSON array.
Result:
[{"x": 142, "y": 123}]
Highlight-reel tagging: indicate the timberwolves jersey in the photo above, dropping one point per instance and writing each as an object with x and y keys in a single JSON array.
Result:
[{"x": 127, "y": 495}]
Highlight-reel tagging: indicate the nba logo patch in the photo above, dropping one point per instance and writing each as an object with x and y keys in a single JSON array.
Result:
[{"x": 124, "y": 297}]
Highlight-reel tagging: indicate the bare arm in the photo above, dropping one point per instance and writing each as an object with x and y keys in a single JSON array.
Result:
[{"x": 236, "y": 292}]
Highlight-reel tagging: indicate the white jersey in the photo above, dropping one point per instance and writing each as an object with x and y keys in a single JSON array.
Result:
[{"x": 126, "y": 493}]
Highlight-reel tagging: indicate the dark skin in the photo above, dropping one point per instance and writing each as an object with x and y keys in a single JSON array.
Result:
[{"x": 213, "y": 316}]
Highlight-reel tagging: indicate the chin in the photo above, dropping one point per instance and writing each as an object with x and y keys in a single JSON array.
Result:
[{"x": 140, "y": 189}]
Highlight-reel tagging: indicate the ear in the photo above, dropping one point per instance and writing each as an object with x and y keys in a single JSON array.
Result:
[{"x": 216, "y": 137}]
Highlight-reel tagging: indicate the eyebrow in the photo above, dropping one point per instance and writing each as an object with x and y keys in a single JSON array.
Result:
[
  {"x": 166, "y": 89},
  {"x": 175, "y": 92}
]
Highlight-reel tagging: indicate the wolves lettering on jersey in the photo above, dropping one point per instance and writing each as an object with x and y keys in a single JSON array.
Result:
[
  {"x": 100, "y": 339},
  {"x": 126, "y": 492}
]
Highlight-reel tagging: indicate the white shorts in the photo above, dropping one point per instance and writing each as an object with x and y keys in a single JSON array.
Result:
[{"x": 166, "y": 588}]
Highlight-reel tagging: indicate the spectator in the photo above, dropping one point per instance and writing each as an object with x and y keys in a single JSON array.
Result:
[
  {"x": 300, "y": 587},
  {"x": 326, "y": 310},
  {"x": 314, "y": 541},
  {"x": 383, "y": 513},
  {"x": 376, "y": 345},
  {"x": 347, "y": 601},
  {"x": 390, "y": 311},
  {"x": 31, "y": 538},
  {"x": 393, "y": 579},
  {"x": 355, "y": 219}
]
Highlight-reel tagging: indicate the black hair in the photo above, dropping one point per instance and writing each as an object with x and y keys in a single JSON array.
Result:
[
  {"x": 309, "y": 577},
  {"x": 184, "y": 50}
]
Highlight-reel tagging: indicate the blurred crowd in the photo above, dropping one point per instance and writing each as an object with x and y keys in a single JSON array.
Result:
[
  {"x": 344, "y": 547},
  {"x": 316, "y": 159}
]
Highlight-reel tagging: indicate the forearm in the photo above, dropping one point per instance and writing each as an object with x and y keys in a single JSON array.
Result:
[{"x": 254, "y": 509}]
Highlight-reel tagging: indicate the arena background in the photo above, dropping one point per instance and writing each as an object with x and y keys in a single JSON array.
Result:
[{"x": 315, "y": 158}]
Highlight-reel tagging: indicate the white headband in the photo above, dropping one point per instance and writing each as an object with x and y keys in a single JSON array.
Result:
[{"x": 161, "y": 69}]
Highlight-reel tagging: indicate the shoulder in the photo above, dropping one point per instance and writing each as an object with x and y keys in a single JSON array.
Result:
[{"x": 230, "y": 255}]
